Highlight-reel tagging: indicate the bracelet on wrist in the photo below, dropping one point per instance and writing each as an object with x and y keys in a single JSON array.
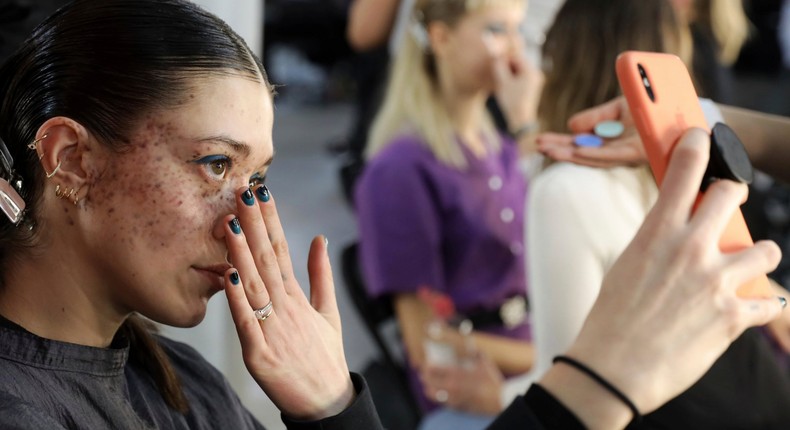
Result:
[
  {"x": 602, "y": 382},
  {"x": 525, "y": 129}
]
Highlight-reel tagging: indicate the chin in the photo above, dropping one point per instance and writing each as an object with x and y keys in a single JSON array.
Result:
[{"x": 187, "y": 317}]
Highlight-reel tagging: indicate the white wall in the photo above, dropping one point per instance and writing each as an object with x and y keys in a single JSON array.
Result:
[{"x": 244, "y": 16}]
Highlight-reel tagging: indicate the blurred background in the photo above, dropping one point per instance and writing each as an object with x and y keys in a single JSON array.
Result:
[{"x": 321, "y": 110}]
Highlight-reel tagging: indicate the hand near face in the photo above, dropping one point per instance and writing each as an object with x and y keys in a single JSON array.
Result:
[
  {"x": 626, "y": 150},
  {"x": 668, "y": 307},
  {"x": 518, "y": 88},
  {"x": 296, "y": 354}
]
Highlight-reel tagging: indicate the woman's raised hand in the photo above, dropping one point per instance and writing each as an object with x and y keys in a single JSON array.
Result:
[
  {"x": 294, "y": 350},
  {"x": 668, "y": 307},
  {"x": 518, "y": 87}
]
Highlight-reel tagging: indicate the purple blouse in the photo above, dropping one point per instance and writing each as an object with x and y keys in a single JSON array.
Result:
[{"x": 461, "y": 232}]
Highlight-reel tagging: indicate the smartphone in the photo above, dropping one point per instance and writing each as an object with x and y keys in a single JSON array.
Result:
[{"x": 664, "y": 104}]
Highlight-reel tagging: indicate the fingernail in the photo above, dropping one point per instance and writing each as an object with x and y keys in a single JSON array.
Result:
[
  {"x": 783, "y": 301},
  {"x": 235, "y": 227},
  {"x": 263, "y": 193},
  {"x": 234, "y": 278},
  {"x": 247, "y": 198},
  {"x": 326, "y": 242}
]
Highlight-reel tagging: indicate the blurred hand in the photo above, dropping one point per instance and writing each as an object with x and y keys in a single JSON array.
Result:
[
  {"x": 626, "y": 150},
  {"x": 474, "y": 386},
  {"x": 296, "y": 354},
  {"x": 518, "y": 87}
]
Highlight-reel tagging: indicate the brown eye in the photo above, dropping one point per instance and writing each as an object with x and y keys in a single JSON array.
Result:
[{"x": 218, "y": 167}]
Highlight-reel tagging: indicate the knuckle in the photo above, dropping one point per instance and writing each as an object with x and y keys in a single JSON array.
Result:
[
  {"x": 256, "y": 286},
  {"x": 733, "y": 317},
  {"x": 267, "y": 257},
  {"x": 280, "y": 247},
  {"x": 715, "y": 280}
]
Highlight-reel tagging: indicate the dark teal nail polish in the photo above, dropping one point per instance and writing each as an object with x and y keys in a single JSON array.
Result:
[
  {"x": 234, "y": 278},
  {"x": 783, "y": 302},
  {"x": 235, "y": 227},
  {"x": 263, "y": 193},
  {"x": 247, "y": 198}
]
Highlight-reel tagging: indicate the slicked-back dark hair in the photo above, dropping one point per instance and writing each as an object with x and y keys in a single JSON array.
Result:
[{"x": 106, "y": 64}]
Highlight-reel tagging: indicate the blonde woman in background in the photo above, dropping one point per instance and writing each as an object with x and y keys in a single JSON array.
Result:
[
  {"x": 580, "y": 218},
  {"x": 440, "y": 204}
]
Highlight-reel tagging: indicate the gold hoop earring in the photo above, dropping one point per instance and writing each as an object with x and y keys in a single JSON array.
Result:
[{"x": 49, "y": 175}]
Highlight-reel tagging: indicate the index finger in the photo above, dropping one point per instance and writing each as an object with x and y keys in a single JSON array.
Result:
[
  {"x": 687, "y": 165},
  {"x": 276, "y": 235}
]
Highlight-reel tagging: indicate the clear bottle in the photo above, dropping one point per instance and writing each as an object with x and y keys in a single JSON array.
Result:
[{"x": 448, "y": 339}]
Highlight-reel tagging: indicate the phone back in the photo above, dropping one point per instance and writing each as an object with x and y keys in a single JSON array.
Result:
[
  {"x": 674, "y": 106},
  {"x": 664, "y": 104}
]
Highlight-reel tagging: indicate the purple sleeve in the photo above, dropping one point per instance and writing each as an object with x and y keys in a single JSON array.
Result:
[{"x": 399, "y": 222}]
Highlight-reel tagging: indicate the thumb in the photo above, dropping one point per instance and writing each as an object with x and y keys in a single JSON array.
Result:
[{"x": 322, "y": 284}]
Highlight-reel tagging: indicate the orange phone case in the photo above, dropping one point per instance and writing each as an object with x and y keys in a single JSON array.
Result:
[{"x": 661, "y": 121}]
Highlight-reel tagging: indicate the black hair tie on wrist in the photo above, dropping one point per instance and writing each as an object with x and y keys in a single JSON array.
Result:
[{"x": 603, "y": 382}]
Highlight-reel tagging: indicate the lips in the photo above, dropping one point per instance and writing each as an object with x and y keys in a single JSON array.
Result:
[
  {"x": 214, "y": 274},
  {"x": 219, "y": 269}
]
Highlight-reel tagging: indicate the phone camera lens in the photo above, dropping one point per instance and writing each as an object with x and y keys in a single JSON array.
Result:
[{"x": 646, "y": 83}]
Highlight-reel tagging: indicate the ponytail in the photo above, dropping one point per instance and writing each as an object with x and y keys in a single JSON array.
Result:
[{"x": 145, "y": 351}]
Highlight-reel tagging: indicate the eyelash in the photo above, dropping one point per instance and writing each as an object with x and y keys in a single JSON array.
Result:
[
  {"x": 257, "y": 179},
  {"x": 223, "y": 161}
]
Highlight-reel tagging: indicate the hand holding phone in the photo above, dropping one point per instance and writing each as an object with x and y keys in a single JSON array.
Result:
[{"x": 664, "y": 104}]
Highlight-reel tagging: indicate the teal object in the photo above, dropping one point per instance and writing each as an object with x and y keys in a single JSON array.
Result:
[{"x": 609, "y": 129}]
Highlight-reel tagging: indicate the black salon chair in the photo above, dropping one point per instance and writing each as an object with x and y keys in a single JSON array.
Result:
[{"x": 386, "y": 376}]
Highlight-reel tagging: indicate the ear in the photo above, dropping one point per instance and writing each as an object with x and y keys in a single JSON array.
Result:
[
  {"x": 63, "y": 146},
  {"x": 438, "y": 37}
]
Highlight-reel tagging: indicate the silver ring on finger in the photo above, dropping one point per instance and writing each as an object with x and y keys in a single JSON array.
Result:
[
  {"x": 442, "y": 396},
  {"x": 264, "y": 312}
]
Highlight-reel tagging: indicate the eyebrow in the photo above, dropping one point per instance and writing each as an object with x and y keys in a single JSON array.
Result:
[{"x": 237, "y": 146}]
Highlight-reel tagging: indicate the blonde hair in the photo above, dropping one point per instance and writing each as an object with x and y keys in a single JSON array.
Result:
[
  {"x": 727, "y": 22},
  {"x": 412, "y": 102}
]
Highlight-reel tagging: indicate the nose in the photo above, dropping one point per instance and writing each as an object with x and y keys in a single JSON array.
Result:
[
  {"x": 225, "y": 210},
  {"x": 218, "y": 232},
  {"x": 515, "y": 42}
]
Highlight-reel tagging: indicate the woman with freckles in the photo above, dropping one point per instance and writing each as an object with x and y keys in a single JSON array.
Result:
[{"x": 134, "y": 139}]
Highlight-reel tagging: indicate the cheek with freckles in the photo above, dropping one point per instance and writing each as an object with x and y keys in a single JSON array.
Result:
[{"x": 151, "y": 198}]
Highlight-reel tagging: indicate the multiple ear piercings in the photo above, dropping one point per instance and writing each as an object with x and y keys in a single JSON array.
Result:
[
  {"x": 32, "y": 145},
  {"x": 71, "y": 194},
  {"x": 60, "y": 192}
]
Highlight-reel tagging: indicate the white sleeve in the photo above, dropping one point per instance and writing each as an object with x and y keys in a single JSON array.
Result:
[
  {"x": 711, "y": 111},
  {"x": 515, "y": 386},
  {"x": 565, "y": 265}
]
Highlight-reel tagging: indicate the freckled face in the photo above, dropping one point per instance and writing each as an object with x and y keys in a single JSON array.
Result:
[{"x": 153, "y": 211}]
